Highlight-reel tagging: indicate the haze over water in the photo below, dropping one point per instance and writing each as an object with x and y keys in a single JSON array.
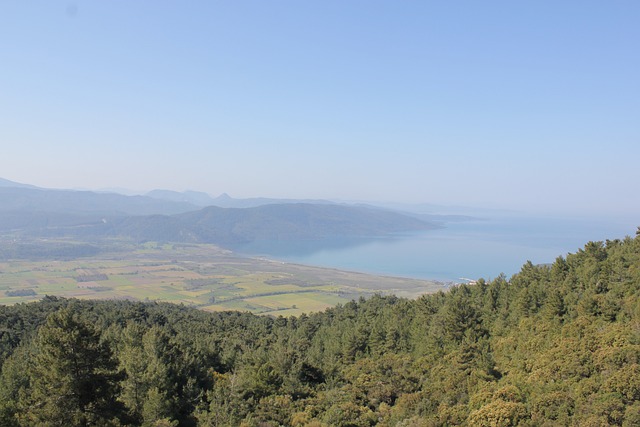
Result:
[{"x": 470, "y": 249}]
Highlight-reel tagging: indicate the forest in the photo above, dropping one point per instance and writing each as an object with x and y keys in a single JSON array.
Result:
[{"x": 554, "y": 345}]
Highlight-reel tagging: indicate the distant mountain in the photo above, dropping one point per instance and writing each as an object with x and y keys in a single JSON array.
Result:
[
  {"x": 226, "y": 201},
  {"x": 445, "y": 212},
  {"x": 119, "y": 190},
  {"x": 7, "y": 183},
  {"x": 229, "y": 226},
  {"x": 197, "y": 198},
  {"x": 83, "y": 202},
  {"x": 170, "y": 216},
  {"x": 37, "y": 222},
  {"x": 202, "y": 199},
  {"x": 36, "y": 210},
  {"x": 294, "y": 221}
]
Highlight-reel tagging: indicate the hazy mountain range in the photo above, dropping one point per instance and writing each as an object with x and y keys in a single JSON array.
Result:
[
  {"x": 224, "y": 200},
  {"x": 164, "y": 215}
]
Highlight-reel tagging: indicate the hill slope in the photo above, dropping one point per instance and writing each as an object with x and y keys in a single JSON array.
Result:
[
  {"x": 40, "y": 212},
  {"x": 19, "y": 199},
  {"x": 196, "y": 198},
  {"x": 7, "y": 183},
  {"x": 267, "y": 222}
]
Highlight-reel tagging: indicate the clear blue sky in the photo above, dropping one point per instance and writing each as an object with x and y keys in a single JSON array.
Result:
[{"x": 532, "y": 105}]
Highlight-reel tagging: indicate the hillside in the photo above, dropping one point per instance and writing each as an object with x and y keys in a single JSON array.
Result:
[
  {"x": 553, "y": 345},
  {"x": 175, "y": 217},
  {"x": 215, "y": 225},
  {"x": 300, "y": 221},
  {"x": 224, "y": 200},
  {"x": 9, "y": 183},
  {"x": 196, "y": 198},
  {"x": 20, "y": 199}
]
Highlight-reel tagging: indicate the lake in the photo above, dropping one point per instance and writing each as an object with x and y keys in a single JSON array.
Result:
[{"x": 467, "y": 249}]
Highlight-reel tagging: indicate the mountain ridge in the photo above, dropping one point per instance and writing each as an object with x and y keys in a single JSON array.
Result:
[
  {"x": 8, "y": 183},
  {"x": 40, "y": 212},
  {"x": 288, "y": 221}
]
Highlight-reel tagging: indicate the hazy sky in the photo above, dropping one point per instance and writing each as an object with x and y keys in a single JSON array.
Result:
[{"x": 533, "y": 105}]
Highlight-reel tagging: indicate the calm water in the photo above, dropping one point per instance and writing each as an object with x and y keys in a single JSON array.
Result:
[{"x": 471, "y": 249}]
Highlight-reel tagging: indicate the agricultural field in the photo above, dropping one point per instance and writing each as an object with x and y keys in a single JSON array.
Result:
[{"x": 203, "y": 276}]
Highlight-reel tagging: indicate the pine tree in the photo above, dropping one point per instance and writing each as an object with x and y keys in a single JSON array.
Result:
[{"x": 72, "y": 375}]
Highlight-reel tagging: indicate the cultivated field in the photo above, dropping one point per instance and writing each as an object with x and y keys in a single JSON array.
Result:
[{"x": 203, "y": 276}]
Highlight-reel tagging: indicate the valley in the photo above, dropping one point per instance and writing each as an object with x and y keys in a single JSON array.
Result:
[{"x": 196, "y": 275}]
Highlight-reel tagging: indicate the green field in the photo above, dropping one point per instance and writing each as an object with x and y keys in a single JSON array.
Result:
[{"x": 203, "y": 276}]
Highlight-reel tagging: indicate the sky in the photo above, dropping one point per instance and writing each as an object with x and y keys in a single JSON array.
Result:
[{"x": 527, "y": 105}]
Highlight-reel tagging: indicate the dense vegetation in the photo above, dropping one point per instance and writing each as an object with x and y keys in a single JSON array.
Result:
[{"x": 554, "y": 345}]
